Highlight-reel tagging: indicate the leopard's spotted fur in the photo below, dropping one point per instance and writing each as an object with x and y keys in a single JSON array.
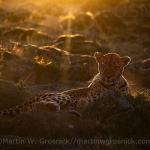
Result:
[{"x": 108, "y": 80}]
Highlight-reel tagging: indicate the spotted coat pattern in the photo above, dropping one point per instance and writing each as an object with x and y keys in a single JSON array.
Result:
[{"x": 109, "y": 80}]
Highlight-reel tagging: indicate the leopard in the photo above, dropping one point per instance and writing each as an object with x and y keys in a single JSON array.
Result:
[{"x": 109, "y": 80}]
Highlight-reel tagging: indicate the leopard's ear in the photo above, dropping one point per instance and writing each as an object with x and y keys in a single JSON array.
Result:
[
  {"x": 98, "y": 56},
  {"x": 126, "y": 60}
]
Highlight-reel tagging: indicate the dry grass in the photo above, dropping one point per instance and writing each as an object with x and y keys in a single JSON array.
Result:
[
  {"x": 116, "y": 30},
  {"x": 103, "y": 119}
]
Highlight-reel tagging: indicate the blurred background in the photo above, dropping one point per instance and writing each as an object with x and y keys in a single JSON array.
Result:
[
  {"x": 54, "y": 41},
  {"x": 49, "y": 45}
]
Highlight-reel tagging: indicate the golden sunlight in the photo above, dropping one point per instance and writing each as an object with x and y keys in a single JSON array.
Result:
[{"x": 66, "y": 73}]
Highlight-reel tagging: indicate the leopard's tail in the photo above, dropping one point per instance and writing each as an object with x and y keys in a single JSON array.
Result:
[{"x": 25, "y": 107}]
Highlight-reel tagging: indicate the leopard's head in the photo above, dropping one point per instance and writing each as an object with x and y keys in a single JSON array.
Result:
[{"x": 111, "y": 65}]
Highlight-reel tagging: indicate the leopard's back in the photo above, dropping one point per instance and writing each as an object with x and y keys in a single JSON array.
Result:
[{"x": 109, "y": 78}]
